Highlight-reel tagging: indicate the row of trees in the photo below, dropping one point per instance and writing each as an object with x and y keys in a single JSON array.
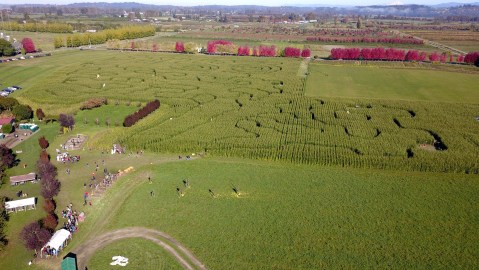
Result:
[
  {"x": 395, "y": 40},
  {"x": 37, "y": 27},
  {"x": 36, "y": 234},
  {"x": 227, "y": 47},
  {"x": 150, "y": 107},
  {"x": 392, "y": 54},
  {"x": 129, "y": 32}
]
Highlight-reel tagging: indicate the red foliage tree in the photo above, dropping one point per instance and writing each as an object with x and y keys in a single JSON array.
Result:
[
  {"x": 211, "y": 47},
  {"x": 66, "y": 120},
  {"x": 132, "y": 45},
  {"x": 50, "y": 222},
  {"x": 7, "y": 158},
  {"x": 471, "y": 57},
  {"x": 267, "y": 51},
  {"x": 306, "y": 53},
  {"x": 292, "y": 52},
  {"x": 422, "y": 56},
  {"x": 412, "y": 55},
  {"x": 460, "y": 58},
  {"x": 43, "y": 142},
  {"x": 49, "y": 205},
  {"x": 434, "y": 57},
  {"x": 44, "y": 156},
  {"x": 40, "y": 114},
  {"x": 155, "y": 47},
  {"x": 243, "y": 50},
  {"x": 28, "y": 45},
  {"x": 34, "y": 236},
  {"x": 179, "y": 47},
  {"x": 45, "y": 169},
  {"x": 131, "y": 119},
  {"x": 49, "y": 187}
]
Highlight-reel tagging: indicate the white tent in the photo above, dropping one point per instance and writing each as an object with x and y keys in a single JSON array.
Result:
[
  {"x": 58, "y": 240},
  {"x": 20, "y": 205}
]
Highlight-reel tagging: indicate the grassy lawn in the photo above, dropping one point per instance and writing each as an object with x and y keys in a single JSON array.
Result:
[
  {"x": 306, "y": 217},
  {"x": 141, "y": 254},
  {"x": 390, "y": 83},
  {"x": 41, "y": 40},
  {"x": 114, "y": 114}
]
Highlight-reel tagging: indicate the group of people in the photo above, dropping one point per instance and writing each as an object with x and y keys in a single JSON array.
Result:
[
  {"x": 48, "y": 251},
  {"x": 71, "y": 216}
]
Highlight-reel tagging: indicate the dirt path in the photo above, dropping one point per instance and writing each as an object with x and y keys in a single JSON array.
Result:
[
  {"x": 168, "y": 243},
  {"x": 303, "y": 68}
]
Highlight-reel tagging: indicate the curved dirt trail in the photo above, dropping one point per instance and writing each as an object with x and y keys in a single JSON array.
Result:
[{"x": 184, "y": 257}]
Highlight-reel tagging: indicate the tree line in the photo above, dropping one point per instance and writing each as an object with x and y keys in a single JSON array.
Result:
[
  {"x": 36, "y": 234},
  {"x": 131, "y": 119},
  {"x": 392, "y": 54},
  {"x": 129, "y": 32},
  {"x": 38, "y": 27}
]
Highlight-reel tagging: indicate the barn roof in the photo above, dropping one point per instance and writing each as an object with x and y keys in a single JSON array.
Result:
[
  {"x": 6, "y": 120},
  {"x": 23, "y": 178}
]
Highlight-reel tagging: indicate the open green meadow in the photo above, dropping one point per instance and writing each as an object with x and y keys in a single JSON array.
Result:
[
  {"x": 388, "y": 82},
  {"x": 335, "y": 166},
  {"x": 141, "y": 254}
]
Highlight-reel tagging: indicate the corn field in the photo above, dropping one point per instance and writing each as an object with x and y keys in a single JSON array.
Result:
[{"x": 256, "y": 108}]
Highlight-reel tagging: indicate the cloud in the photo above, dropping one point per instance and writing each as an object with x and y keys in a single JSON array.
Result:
[{"x": 396, "y": 3}]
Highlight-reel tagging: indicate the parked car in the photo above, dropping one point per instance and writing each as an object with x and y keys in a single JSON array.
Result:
[
  {"x": 4, "y": 94},
  {"x": 16, "y": 87}
]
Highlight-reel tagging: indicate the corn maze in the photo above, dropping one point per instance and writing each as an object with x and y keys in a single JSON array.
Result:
[{"x": 256, "y": 108}]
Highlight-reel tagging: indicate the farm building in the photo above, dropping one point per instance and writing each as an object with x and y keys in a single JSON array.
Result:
[
  {"x": 20, "y": 205},
  {"x": 28, "y": 126},
  {"x": 56, "y": 243},
  {"x": 69, "y": 263},
  {"x": 22, "y": 179},
  {"x": 6, "y": 120}
]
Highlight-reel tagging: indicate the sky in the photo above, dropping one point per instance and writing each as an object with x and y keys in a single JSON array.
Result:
[{"x": 245, "y": 2}]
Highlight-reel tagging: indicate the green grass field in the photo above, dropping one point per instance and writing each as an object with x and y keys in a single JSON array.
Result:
[
  {"x": 389, "y": 83},
  {"x": 141, "y": 254},
  {"x": 264, "y": 126}
]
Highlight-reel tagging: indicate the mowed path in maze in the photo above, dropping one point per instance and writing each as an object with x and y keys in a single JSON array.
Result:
[{"x": 256, "y": 108}]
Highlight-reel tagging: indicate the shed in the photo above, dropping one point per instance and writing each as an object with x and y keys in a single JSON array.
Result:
[
  {"x": 29, "y": 126},
  {"x": 6, "y": 120},
  {"x": 20, "y": 205},
  {"x": 69, "y": 263},
  {"x": 58, "y": 241},
  {"x": 22, "y": 179}
]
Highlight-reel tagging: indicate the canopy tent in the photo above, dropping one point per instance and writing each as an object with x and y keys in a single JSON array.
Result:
[
  {"x": 20, "y": 205},
  {"x": 58, "y": 241}
]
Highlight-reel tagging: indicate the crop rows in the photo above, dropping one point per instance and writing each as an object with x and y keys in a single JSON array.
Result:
[{"x": 256, "y": 108}]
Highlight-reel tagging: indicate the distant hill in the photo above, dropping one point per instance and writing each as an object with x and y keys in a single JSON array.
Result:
[{"x": 454, "y": 4}]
